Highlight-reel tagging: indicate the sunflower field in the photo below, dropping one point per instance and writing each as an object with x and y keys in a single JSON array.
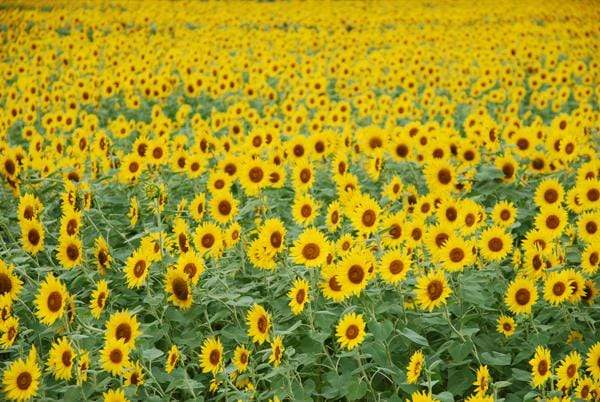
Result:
[{"x": 298, "y": 201}]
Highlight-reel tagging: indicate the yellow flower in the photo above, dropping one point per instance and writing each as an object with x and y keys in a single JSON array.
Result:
[
  {"x": 394, "y": 266},
  {"x": 32, "y": 236},
  {"x": 310, "y": 248},
  {"x": 51, "y": 300},
  {"x": 350, "y": 330},
  {"x": 211, "y": 356},
  {"x": 495, "y": 244},
  {"x": 259, "y": 323},
  {"x": 178, "y": 288},
  {"x": 10, "y": 284},
  {"x": 432, "y": 290},
  {"x": 70, "y": 251},
  {"x": 114, "y": 356},
  {"x": 593, "y": 361},
  {"x": 482, "y": 383},
  {"x": 415, "y": 365},
  {"x": 21, "y": 378},
  {"x": 506, "y": 325},
  {"x": 114, "y": 396},
  {"x": 556, "y": 288},
  {"x": 541, "y": 367},
  {"x": 122, "y": 326},
  {"x": 521, "y": 295},
  {"x": 298, "y": 296},
  {"x": 276, "y": 351},
  {"x": 172, "y": 359},
  {"x": 241, "y": 357},
  {"x": 99, "y": 297},
  {"x": 568, "y": 370},
  {"x": 61, "y": 359}
]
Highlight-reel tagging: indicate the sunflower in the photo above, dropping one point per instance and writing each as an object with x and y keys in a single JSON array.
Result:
[
  {"x": 253, "y": 176},
  {"x": 331, "y": 284},
  {"x": 32, "y": 236},
  {"x": 508, "y": 165},
  {"x": 172, "y": 359},
  {"x": 589, "y": 191},
  {"x": 208, "y": 239},
  {"x": 432, "y": 290},
  {"x": 51, "y": 300},
  {"x": 114, "y": 357},
  {"x": 29, "y": 208},
  {"x": 305, "y": 209},
  {"x": 552, "y": 220},
  {"x": 134, "y": 211},
  {"x": 310, "y": 248},
  {"x": 588, "y": 227},
  {"x": 556, "y": 288},
  {"x": 259, "y": 323},
  {"x": 137, "y": 267},
  {"x": 521, "y": 295},
  {"x": 506, "y": 325},
  {"x": 60, "y": 360},
  {"x": 576, "y": 283},
  {"x": 10, "y": 284},
  {"x": 70, "y": 222},
  {"x": 495, "y": 244},
  {"x": 415, "y": 365},
  {"x": 298, "y": 296},
  {"x": 586, "y": 388},
  {"x": 482, "y": 383},
  {"x": 83, "y": 366},
  {"x": 504, "y": 214},
  {"x": 303, "y": 176},
  {"x": 198, "y": 207},
  {"x": 272, "y": 233},
  {"x": 241, "y": 357},
  {"x": 449, "y": 213},
  {"x": 541, "y": 367},
  {"x": 99, "y": 297},
  {"x": 590, "y": 292},
  {"x": 223, "y": 207},
  {"x": 395, "y": 232},
  {"x": 181, "y": 234},
  {"x": 354, "y": 270},
  {"x": 21, "y": 378},
  {"x": 113, "y": 395},
  {"x": 131, "y": 168},
  {"x": 232, "y": 234},
  {"x": 102, "y": 253},
  {"x": 277, "y": 350},
  {"x": 456, "y": 254},
  {"x": 593, "y": 361},
  {"x": 178, "y": 287},
  {"x": 9, "y": 329},
  {"x": 422, "y": 396},
  {"x": 394, "y": 266},
  {"x": 549, "y": 192},
  {"x": 122, "y": 326},
  {"x": 70, "y": 251},
  {"x": 191, "y": 264},
  {"x": 440, "y": 176},
  {"x": 134, "y": 375},
  {"x": 350, "y": 330},
  {"x": 568, "y": 370},
  {"x": 211, "y": 356},
  {"x": 334, "y": 216},
  {"x": 365, "y": 215}
]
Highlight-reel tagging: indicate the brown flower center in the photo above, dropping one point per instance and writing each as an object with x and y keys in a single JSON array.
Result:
[
  {"x": 311, "y": 251},
  {"x": 457, "y": 254},
  {"x": 435, "y": 288},
  {"x": 5, "y": 283},
  {"x": 224, "y": 207},
  {"x": 551, "y": 196},
  {"x": 123, "y": 331},
  {"x": 24, "y": 380},
  {"x": 72, "y": 252},
  {"x": 276, "y": 239},
  {"x": 54, "y": 301},
  {"x": 356, "y": 274},
  {"x": 444, "y": 176},
  {"x": 495, "y": 244},
  {"x": 396, "y": 266},
  {"x": 139, "y": 268},
  {"x": 116, "y": 356},
  {"x": 552, "y": 222},
  {"x": 300, "y": 296},
  {"x": 33, "y": 236},
  {"x": 369, "y": 217},
  {"x": 523, "y": 296},
  {"x": 262, "y": 324},
  {"x": 180, "y": 289},
  {"x": 559, "y": 288},
  {"x": 256, "y": 174},
  {"x": 352, "y": 332},
  {"x": 66, "y": 358},
  {"x": 208, "y": 240},
  {"x": 334, "y": 284}
]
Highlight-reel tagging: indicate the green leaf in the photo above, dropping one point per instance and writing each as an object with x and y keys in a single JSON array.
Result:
[
  {"x": 495, "y": 359},
  {"x": 414, "y": 337},
  {"x": 152, "y": 353}
]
